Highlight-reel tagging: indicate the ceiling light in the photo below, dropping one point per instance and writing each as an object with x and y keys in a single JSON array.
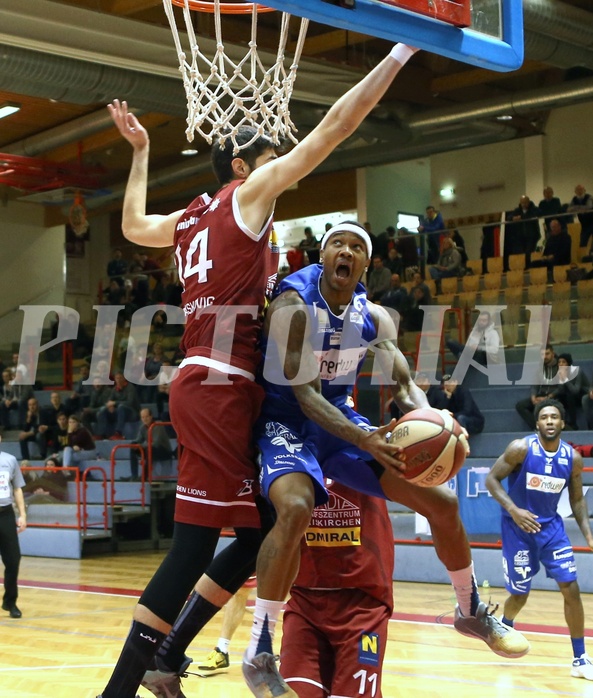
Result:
[
  {"x": 504, "y": 117},
  {"x": 189, "y": 152},
  {"x": 8, "y": 108}
]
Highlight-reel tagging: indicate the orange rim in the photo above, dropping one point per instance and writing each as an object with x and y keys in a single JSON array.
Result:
[{"x": 226, "y": 8}]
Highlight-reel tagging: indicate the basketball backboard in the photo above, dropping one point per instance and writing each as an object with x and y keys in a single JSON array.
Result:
[{"x": 485, "y": 33}]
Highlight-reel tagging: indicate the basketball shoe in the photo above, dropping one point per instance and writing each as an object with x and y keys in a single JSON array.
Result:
[
  {"x": 582, "y": 667},
  {"x": 163, "y": 682},
  {"x": 216, "y": 662},
  {"x": 263, "y": 678},
  {"x": 502, "y": 640}
]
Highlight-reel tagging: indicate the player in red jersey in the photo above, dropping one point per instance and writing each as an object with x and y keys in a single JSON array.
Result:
[
  {"x": 334, "y": 632},
  {"x": 222, "y": 249}
]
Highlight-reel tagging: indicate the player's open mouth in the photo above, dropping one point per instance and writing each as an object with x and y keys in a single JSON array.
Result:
[{"x": 342, "y": 271}]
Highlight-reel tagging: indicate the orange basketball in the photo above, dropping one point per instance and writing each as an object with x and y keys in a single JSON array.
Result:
[{"x": 434, "y": 443}]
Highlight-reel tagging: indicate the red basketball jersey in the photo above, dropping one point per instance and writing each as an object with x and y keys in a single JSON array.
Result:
[
  {"x": 349, "y": 544},
  {"x": 221, "y": 263}
]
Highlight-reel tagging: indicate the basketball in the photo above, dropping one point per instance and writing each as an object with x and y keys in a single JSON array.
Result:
[{"x": 434, "y": 443}]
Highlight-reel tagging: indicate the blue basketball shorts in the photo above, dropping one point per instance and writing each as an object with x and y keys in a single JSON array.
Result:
[
  {"x": 307, "y": 448},
  {"x": 523, "y": 553}
]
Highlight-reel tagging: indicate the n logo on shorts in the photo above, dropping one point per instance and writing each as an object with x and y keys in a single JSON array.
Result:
[{"x": 368, "y": 652}]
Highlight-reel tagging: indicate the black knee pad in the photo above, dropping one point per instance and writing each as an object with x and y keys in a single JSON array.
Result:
[{"x": 190, "y": 554}]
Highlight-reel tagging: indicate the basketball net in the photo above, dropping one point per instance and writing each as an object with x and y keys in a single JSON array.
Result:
[{"x": 223, "y": 95}]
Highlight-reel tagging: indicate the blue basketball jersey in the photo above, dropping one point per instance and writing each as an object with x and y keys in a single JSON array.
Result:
[
  {"x": 339, "y": 343},
  {"x": 538, "y": 483}
]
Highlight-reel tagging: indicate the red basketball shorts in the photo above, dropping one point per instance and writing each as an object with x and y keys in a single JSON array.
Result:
[
  {"x": 333, "y": 643},
  {"x": 217, "y": 480}
]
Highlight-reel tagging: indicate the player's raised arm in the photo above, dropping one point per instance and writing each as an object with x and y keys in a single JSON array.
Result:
[
  {"x": 153, "y": 230},
  {"x": 340, "y": 122},
  {"x": 511, "y": 459}
]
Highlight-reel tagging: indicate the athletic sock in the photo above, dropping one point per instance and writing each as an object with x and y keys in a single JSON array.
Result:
[
  {"x": 223, "y": 645},
  {"x": 578, "y": 646},
  {"x": 194, "y": 616},
  {"x": 508, "y": 621},
  {"x": 138, "y": 650},
  {"x": 265, "y": 617},
  {"x": 466, "y": 590}
]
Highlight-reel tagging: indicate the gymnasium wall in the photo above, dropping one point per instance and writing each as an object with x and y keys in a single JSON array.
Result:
[{"x": 32, "y": 266}]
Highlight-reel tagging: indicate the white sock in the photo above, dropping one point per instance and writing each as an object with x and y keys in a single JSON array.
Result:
[
  {"x": 265, "y": 617},
  {"x": 465, "y": 585},
  {"x": 223, "y": 644}
]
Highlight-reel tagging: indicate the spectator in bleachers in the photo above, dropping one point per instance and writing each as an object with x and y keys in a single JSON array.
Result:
[
  {"x": 463, "y": 406},
  {"x": 431, "y": 225},
  {"x": 80, "y": 445},
  {"x": 587, "y": 403},
  {"x": 32, "y": 431},
  {"x": 45, "y": 486},
  {"x": 121, "y": 408},
  {"x": 449, "y": 263},
  {"x": 418, "y": 280},
  {"x": 551, "y": 207},
  {"x": 368, "y": 227},
  {"x": 81, "y": 393},
  {"x": 49, "y": 414},
  {"x": 434, "y": 391},
  {"x": 173, "y": 292},
  {"x": 150, "y": 266},
  {"x": 414, "y": 315},
  {"x": 161, "y": 446},
  {"x": 16, "y": 367},
  {"x": 483, "y": 339},
  {"x": 310, "y": 246},
  {"x": 540, "y": 391},
  {"x": 8, "y": 401},
  {"x": 557, "y": 250},
  {"x": 152, "y": 366},
  {"x": 98, "y": 399},
  {"x": 459, "y": 243},
  {"x": 574, "y": 385},
  {"x": 117, "y": 267},
  {"x": 379, "y": 280},
  {"x": 159, "y": 292},
  {"x": 582, "y": 204},
  {"x": 397, "y": 296},
  {"x": 115, "y": 294},
  {"x": 407, "y": 246},
  {"x": 386, "y": 241},
  {"x": 522, "y": 231},
  {"x": 57, "y": 436},
  {"x": 22, "y": 393},
  {"x": 154, "y": 360},
  {"x": 395, "y": 262}
]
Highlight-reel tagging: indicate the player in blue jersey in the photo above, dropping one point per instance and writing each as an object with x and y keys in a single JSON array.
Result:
[
  {"x": 318, "y": 330},
  {"x": 538, "y": 469}
]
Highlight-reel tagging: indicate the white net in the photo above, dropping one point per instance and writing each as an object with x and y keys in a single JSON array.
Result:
[{"x": 223, "y": 95}]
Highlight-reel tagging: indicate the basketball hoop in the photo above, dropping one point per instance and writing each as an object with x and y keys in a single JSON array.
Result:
[
  {"x": 227, "y": 8},
  {"x": 223, "y": 95}
]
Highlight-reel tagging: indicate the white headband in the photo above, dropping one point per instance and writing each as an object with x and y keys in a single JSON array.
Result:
[{"x": 349, "y": 228}]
